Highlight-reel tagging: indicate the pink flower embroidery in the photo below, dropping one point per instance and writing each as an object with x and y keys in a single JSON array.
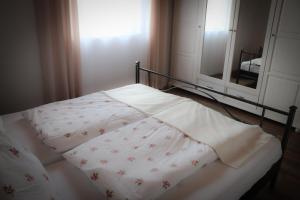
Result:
[
  {"x": 84, "y": 133},
  {"x": 152, "y": 145},
  {"x": 195, "y": 162},
  {"x": 94, "y": 176},
  {"x": 121, "y": 172},
  {"x": 139, "y": 181},
  {"x": 103, "y": 162},
  {"x": 115, "y": 151},
  {"x": 173, "y": 165},
  {"x": 168, "y": 137},
  {"x": 109, "y": 194},
  {"x": 14, "y": 151},
  {"x": 101, "y": 131},
  {"x": 168, "y": 154},
  {"x": 8, "y": 189},
  {"x": 29, "y": 178},
  {"x": 67, "y": 135},
  {"x": 150, "y": 159},
  {"x": 131, "y": 158},
  {"x": 83, "y": 162},
  {"x": 166, "y": 184},
  {"x": 93, "y": 149},
  {"x": 46, "y": 177},
  {"x": 154, "y": 170}
]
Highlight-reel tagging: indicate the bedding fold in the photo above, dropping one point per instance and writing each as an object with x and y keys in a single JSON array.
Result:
[
  {"x": 233, "y": 141},
  {"x": 144, "y": 98}
]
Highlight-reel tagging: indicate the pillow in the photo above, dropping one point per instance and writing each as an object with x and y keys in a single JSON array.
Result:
[
  {"x": 22, "y": 134},
  {"x": 22, "y": 176}
]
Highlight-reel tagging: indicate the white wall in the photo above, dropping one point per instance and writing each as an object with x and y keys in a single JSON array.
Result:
[{"x": 20, "y": 73}]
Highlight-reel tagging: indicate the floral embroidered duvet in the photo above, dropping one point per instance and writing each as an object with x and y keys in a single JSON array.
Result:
[
  {"x": 65, "y": 124},
  {"x": 141, "y": 160}
]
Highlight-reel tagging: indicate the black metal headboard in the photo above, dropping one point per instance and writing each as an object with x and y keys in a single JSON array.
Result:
[{"x": 290, "y": 115}]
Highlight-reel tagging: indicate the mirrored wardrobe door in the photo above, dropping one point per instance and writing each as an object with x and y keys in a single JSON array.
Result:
[
  {"x": 217, "y": 32},
  {"x": 249, "y": 39}
]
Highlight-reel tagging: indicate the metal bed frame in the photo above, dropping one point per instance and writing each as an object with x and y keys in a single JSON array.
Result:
[{"x": 272, "y": 174}]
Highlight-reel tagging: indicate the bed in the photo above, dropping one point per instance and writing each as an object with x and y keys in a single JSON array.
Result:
[
  {"x": 65, "y": 124},
  {"x": 214, "y": 180},
  {"x": 249, "y": 65}
]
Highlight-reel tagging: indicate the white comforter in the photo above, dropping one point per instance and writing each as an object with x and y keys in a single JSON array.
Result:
[
  {"x": 66, "y": 124},
  {"x": 141, "y": 160}
]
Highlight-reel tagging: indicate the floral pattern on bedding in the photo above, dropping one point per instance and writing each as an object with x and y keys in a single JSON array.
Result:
[
  {"x": 22, "y": 176},
  {"x": 141, "y": 160},
  {"x": 66, "y": 124}
]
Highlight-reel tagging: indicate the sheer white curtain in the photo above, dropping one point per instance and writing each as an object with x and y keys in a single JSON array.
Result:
[{"x": 113, "y": 35}]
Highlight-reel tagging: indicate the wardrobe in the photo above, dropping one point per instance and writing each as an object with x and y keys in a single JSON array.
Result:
[{"x": 246, "y": 48}]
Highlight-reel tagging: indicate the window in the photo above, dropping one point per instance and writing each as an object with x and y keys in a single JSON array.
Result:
[{"x": 112, "y": 18}]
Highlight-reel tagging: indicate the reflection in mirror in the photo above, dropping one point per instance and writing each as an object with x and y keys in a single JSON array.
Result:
[
  {"x": 249, "y": 41},
  {"x": 215, "y": 37}
]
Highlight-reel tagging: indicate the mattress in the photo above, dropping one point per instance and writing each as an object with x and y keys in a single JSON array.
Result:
[
  {"x": 213, "y": 182},
  {"x": 252, "y": 66}
]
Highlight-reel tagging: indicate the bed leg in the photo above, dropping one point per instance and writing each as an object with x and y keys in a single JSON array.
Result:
[{"x": 275, "y": 174}]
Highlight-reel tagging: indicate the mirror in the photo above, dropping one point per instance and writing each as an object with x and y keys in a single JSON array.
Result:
[
  {"x": 217, "y": 23},
  {"x": 249, "y": 41}
]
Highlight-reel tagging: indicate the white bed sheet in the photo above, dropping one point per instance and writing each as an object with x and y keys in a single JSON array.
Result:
[
  {"x": 254, "y": 66},
  {"x": 22, "y": 133},
  {"x": 215, "y": 181}
]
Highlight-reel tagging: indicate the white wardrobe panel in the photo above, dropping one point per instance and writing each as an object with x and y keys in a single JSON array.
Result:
[
  {"x": 290, "y": 17},
  {"x": 185, "y": 37},
  {"x": 280, "y": 94},
  {"x": 183, "y": 67},
  {"x": 185, "y": 26},
  {"x": 286, "y": 56}
]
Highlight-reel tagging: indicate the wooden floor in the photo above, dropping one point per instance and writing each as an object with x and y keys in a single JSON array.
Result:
[{"x": 288, "y": 184}]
